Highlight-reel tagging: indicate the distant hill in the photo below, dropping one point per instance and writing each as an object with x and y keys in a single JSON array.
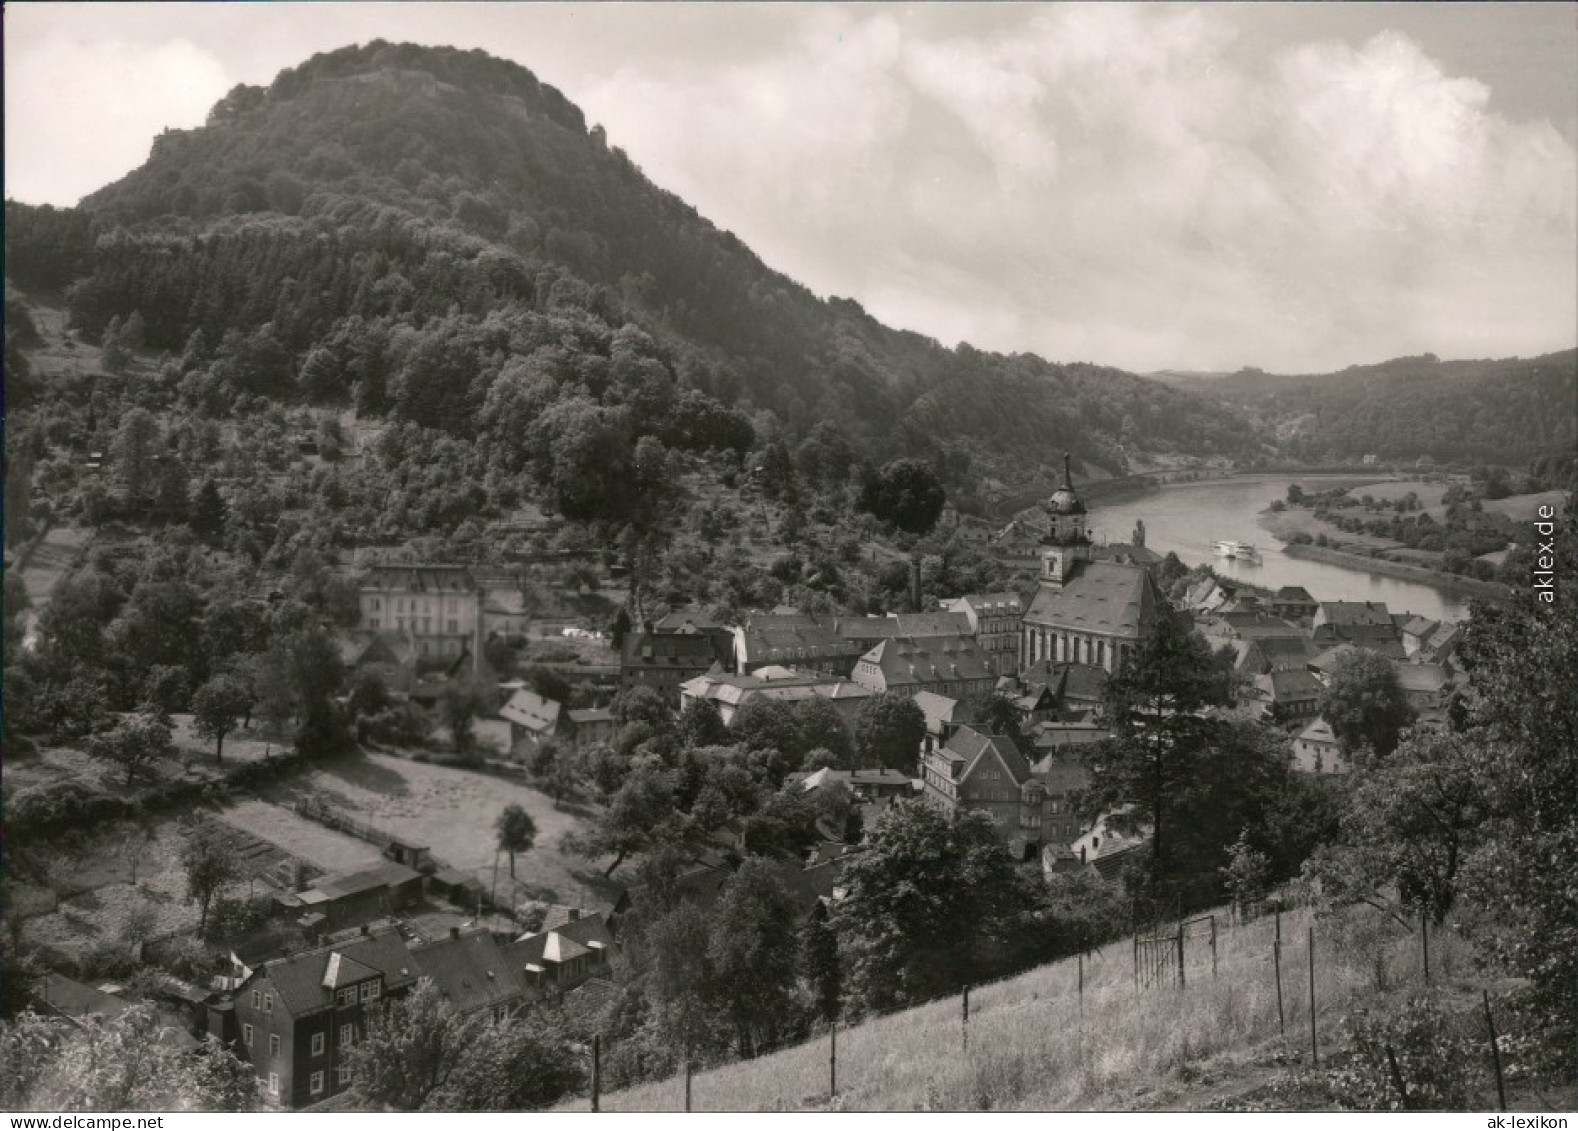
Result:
[
  {"x": 400, "y": 185},
  {"x": 1503, "y": 411}
]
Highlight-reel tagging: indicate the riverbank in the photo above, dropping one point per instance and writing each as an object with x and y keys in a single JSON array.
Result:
[{"x": 1401, "y": 571}]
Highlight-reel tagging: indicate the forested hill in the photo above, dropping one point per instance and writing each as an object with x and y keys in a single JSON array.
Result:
[
  {"x": 1506, "y": 411},
  {"x": 385, "y": 202}
]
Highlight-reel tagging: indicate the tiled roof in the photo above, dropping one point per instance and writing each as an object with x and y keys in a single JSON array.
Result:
[
  {"x": 1068, "y": 680},
  {"x": 1290, "y": 686},
  {"x": 668, "y": 650},
  {"x": 567, "y": 940},
  {"x": 907, "y": 661},
  {"x": 690, "y": 621},
  {"x": 342, "y": 970},
  {"x": 1354, "y": 614},
  {"x": 533, "y": 712},
  {"x": 1124, "y": 552},
  {"x": 904, "y": 624},
  {"x": 299, "y": 977},
  {"x": 471, "y": 971},
  {"x": 1318, "y": 731},
  {"x": 973, "y": 746},
  {"x": 419, "y": 578},
  {"x": 1102, "y": 597},
  {"x": 388, "y": 874},
  {"x": 1295, "y": 593},
  {"x": 792, "y": 637},
  {"x": 1003, "y": 603}
]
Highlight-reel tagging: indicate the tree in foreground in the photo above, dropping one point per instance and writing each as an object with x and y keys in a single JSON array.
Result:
[
  {"x": 1365, "y": 704},
  {"x": 413, "y": 1048},
  {"x": 517, "y": 832},
  {"x": 752, "y": 956},
  {"x": 1156, "y": 707},
  {"x": 636, "y": 817},
  {"x": 217, "y": 707},
  {"x": 209, "y": 864},
  {"x": 889, "y": 731},
  {"x": 134, "y": 743},
  {"x": 120, "y": 1064},
  {"x": 925, "y": 904}
]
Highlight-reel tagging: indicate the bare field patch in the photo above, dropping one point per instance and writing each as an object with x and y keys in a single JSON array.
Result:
[{"x": 452, "y": 812}]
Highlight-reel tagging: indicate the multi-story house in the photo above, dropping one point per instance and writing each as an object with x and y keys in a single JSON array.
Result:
[
  {"x": 954, "y": 666},
  {"x": 1317, "y": 751},
  {"x": 1367, "y": 624},
  {"x": 440, "y": 606},
  {"x": 664, "y": 661},
  {"x": 297, "y": 1018},
  {"x": 1031, "y": 806},
  {"x": 994, "y": 620}
]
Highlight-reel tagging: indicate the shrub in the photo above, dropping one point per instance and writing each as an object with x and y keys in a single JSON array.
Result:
[{"x": 1435, "y": 1053}]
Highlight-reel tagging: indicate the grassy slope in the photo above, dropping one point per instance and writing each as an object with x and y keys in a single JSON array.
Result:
[{"x": 1213, "y": 1044}]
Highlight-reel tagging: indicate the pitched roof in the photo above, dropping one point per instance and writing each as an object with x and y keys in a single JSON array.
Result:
[
  {"x": 1355, "y": 614},
  {"x": 1105, "y": 597},
  {"x": 342, "y": 970},
  {"x": 533, "y": 712},
  {"x": 1126, "y": 552},
  {"x": 419, "y": 578},
  {"x": 904, "y": 624},
  {"x": 690, "y": 621},
  {"x": 938, "y": 709},
  {"x": 1290, "y": 686},
  {"x": 973, "y": 746},
  {"x": 1292, "y": 593},
  {"x": 582, "y": 716},
  {"x": 1068, "y": 680},
  {"x": 906, "y": 661},
  {"x": 668, "y": 650},
  {"x": 71, "y": 998},
  {"x": 791, "y": 636},
  {"x": 1422, "y": 677},
  {"x": 1318, "y": 731},
  {"x": 470, "y": 970},
  {"x": 1001, "y": 603},
  {"x": 343, "y": 884},
  {"x": 570, "y": 939},
  {"x": 298, "y": 978}
]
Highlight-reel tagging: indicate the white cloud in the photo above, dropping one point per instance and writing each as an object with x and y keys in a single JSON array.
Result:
[
  {"x": 82, "y": 111},
  {"x": 1120, "y": 183},
  {"x": 1143, "y": 185}
]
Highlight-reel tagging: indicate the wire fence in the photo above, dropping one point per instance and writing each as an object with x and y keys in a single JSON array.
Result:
[{"x": 1078, "y": 1016}]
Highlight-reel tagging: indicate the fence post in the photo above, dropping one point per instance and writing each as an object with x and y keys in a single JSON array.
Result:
[
  {"x": 1276, "y": 961},
  {"x": 687, "y": 1085},
  {"x": 1495, "y": 1052},
  {"x": 1314, "y": 1049},
  {"x": 1397, "y": 1078},
  {"x": 832, "y": 1059},
  {"x": 1180, "y": 955},
  {"x": 1424, "y": 942},
  {"x": 597, "y": 1068},
  {"x": 1136, "y": 960},
  {"x": 1213, "y": 946},
  {"x": 965, "y": 1028}
]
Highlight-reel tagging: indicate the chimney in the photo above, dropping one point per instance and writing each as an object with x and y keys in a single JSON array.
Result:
[
  {"x": 454, "y": 932},
  {"x": 367, "y": 929},
  {"x": 575, "y": 913}
]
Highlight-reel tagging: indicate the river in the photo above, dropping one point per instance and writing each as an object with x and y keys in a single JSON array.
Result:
[{"x": 1187, "y": 518}]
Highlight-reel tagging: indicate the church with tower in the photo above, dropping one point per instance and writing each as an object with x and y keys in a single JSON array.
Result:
[{"x": 1093, "y": 604}]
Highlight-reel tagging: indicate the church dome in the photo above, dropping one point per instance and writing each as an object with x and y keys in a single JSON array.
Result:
[{"x": 1064, "y": 501}]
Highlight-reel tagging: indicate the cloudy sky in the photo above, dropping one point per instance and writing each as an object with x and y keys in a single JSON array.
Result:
[{"x": 1298, "y": 187}]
